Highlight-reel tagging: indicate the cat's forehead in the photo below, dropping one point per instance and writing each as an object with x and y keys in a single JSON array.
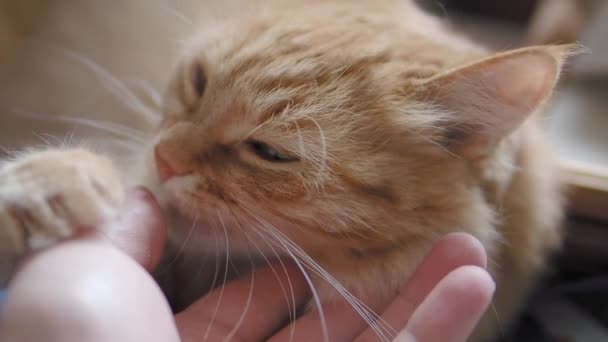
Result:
[
  {"x": 267, "y": 67},
  {"x": 293, "y": 46},
  {"x": 306, "y": 66},
  {"x": 281, "y": 35}
]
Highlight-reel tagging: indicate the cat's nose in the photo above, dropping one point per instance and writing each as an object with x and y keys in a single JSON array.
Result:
[{"x": 165, "y": 169}]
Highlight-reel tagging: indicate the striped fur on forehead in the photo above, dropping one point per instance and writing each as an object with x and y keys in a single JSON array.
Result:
[
  {"x": 325, "y": 88},
  {"x": 332, "y": 76},
  {"x": 311, "y": 66}
]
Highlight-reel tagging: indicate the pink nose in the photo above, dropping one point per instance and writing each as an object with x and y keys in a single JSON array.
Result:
[{"x": 165, "y": 170}]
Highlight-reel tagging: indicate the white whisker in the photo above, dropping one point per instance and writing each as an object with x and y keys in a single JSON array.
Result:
[
  {"x": 116, "y": 87},
  {"x": 241, "y": 319},
  {"x": 315, "y": 295},
  {"x": 70, "y": 139},
  {"x": 183, "y": 245},
  {"x": 116, "y": 129},
  {"x": 216, "y": 272},
  {"x": 46, "y": 138},
  {"x": 501, "y": 331},
  {"x": 150, "y": 92},
  {"x": 291, "y": 305},
  {"x": 323, "y": 141},
  {"x": 248, "y": 135},
  {"x": 300, "y": 138},
  {"x": 221, "y": 297},
  {"x": 313, "y": 290},
  {"x": 179, "y": 15},
  {"x": 376, "y": 323}
]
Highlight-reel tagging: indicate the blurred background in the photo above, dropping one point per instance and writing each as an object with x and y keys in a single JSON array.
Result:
[{"x": 54, "y": 54}]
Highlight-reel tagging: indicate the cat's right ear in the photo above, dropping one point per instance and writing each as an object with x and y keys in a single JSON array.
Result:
[{"x": 487, "y": 100}]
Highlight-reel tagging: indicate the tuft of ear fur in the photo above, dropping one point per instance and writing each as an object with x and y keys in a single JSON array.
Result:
[{"x": 490, "y": 98}]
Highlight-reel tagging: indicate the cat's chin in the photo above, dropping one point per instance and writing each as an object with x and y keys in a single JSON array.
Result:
[
  {"x": 194, "y": 231},
  {"x": 197, "y": 222},
  {"x": 182, "y": 207},
  {"x": 184, "y": 220},
  {"x": 193, "y": 234}
]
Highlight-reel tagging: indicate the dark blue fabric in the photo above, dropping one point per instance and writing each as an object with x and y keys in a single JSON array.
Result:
[{"x": 2, "y": 295}]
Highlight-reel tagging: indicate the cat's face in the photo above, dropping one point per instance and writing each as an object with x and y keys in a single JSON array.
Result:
[{"x": 323, "y": 129}]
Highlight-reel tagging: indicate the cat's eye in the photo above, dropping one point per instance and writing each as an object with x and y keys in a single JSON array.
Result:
[
  {"x": 270, "y": 154},
  {"x": 199, "y": 80}
]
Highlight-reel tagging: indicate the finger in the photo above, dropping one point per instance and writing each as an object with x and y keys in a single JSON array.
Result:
[
  {"x": 139, "y": 230},
  {"x": 449, "y": 253},
  {"x": 85, "y": 291},
  {"x": 252, "y": 307},
  {"x": 345, "y": 324},
  {"x": 342, "y": 321},
  {"x": 454, "y": 307}
]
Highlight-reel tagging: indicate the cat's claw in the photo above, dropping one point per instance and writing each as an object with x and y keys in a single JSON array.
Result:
[{"x": 48, "y": 196}]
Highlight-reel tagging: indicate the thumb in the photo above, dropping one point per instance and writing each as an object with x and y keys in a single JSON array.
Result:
[{"x": 139, "y": 230}]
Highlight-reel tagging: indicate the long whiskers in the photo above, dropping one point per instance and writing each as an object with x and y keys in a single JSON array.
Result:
[
  {"x": 382, "y": 329},
  {"x": 113, "y": 145},
  {"x": 151, "y": 93},
  {"x": 179, "y": 15},
  {"x": 501, "y": 331},
  {"x": 216, "y": 273},
  {"x": 182, "y": 247},
  {"x": 121, "y": 131},
  {"x": 46, "y": 138},
  {"x": 315, "y": 295},
  {"x": 291, "y": 305},
  {"x": 323, "y": 141},
  {"x": 116, "y": 87},
  {"x": 241, "y": 319},
  {"x": 221, "y": 296},
  {"x": 301, "y": 146}
]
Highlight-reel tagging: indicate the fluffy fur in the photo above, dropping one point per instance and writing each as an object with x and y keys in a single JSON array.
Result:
[{"x": 402, "y": 131}]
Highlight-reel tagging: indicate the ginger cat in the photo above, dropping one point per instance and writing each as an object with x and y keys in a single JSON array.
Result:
[{"x": 344, "y": 134}]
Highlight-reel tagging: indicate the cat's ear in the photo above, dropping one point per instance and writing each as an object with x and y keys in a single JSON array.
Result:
[{"x": 488, "y": 99}]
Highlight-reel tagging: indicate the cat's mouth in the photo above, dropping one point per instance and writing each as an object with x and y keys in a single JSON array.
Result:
[
  {"x": 178, "y": 205},
  {"x": 212, "y": 229},
  {"x": 194, "y": 211},
  {"x": 182, "y": 206}
]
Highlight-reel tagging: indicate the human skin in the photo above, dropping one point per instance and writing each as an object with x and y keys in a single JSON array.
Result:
[{"x": 97, "y": 287}]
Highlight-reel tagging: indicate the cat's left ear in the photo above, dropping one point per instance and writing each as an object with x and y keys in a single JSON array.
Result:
[{"x": 487, "y": 100}]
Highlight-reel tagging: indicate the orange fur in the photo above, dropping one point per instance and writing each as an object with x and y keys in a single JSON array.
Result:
[
  {"x": 404, "y": 132},
  {"x": 349, "y": 89}
]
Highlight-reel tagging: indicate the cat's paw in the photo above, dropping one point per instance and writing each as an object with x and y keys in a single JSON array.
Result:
[{"x": 47, "y": 196}]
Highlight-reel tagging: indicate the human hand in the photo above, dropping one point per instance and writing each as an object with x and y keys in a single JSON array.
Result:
[
  {"x": 443, "y": 301},
  {"x": 88, "y": 290}
]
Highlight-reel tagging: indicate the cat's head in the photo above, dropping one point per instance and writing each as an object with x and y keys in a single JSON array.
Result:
[{"x": 343, "y": 127}]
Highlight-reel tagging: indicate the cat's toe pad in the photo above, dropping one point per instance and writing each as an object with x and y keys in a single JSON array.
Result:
[{"x": 49, "y": 196}]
